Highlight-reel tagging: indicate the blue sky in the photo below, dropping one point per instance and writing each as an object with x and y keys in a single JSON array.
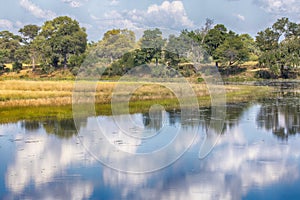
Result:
[{"x": 98, "y": 16}]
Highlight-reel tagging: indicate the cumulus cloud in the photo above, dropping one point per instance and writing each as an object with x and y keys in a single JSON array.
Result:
[
  {"x": 279, "y": 6},
  {"x": 6, "y": 24},
  {"x": 36, "y": 10},
  {"x": 168, "y": 15}
]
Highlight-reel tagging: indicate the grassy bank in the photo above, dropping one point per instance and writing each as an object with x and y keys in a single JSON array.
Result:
[{"x": 21, "y": 99}]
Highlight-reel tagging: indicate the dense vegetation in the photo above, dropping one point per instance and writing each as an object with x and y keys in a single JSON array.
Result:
[{"x": 62, "y": 44}]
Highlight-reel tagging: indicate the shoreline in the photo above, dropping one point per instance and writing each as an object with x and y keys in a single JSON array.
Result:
[{"x": 25, "y": 107}]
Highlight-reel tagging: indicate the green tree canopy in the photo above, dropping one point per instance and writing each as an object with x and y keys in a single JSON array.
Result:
[
  {"x": 115, "y": 44},
  {"x": 214, "y": 38},
  {"x": 9, "y": 45},
  {"x": 65, "y": 37},
  {"x": 232, "y": 51},
  {"x": 280, "y": 46},
  {"x": 30, "y": 32},
  {"x": 152, "y": 43}
]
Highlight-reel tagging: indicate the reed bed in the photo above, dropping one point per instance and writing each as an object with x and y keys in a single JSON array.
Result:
[{"x": 22, "y": 93}]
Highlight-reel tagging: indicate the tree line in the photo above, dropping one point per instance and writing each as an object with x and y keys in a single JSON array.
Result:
[{"x": 62, "y": 43}]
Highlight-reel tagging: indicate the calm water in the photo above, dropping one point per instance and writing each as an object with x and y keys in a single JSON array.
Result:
[{"x": 257, "y": 156}]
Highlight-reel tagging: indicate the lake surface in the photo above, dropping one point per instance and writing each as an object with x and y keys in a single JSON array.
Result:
[{"x": 257, "y": 155}]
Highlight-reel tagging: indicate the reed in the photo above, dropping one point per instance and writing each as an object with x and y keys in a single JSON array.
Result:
[{"x": 21, "y": 93}]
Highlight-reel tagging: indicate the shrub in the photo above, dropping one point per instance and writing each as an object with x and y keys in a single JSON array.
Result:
[
  {"x": 264, "y": 74},
  {"x": 17, "y": 66}
]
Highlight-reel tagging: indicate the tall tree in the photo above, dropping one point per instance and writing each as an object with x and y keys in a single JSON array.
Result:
[
  {"x": 152, "y": 43},
  {"x": 30, "y": 32},
  {"x": 214, "y": 38},
  {"x": 9, "y": 45},
  {"x": 280, "y": 46},
  {"x": 115, "y": 44},
  {"x": 251, "y": 46},
  {"x": 232, "y": 50},
  {"x": 65, "y": 37},
  {"x": 177, "y": 49}
]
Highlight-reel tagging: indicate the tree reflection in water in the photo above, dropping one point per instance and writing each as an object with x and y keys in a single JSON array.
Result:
[
  {"x": 64, "y": 128},
  {"x": 281, "y": 116}
]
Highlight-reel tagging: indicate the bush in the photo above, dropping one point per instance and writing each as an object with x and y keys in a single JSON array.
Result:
[
  {"x": 200, "y": 80},
  {"x": 264, "y": 74},
  {"x": 47, "y": 68},
  {"x": 17, "y": 66}
]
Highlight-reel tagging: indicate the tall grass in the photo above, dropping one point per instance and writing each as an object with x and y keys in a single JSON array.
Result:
[{"x": 20, "y": 93}]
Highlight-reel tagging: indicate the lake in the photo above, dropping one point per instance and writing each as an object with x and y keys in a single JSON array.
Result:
[{"x": 256, "y": 156}]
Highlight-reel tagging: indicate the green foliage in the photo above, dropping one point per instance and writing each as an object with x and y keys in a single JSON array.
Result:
[
  {"x": 264, "y": 74},
  {"x": 32, "y": 46},
  {"x": 62, "y": 42},
  {"x": 177, "y": 49},
  {"x": 280, "y": 47},
  {"x": 9, "y": 45},
  {"x": 200, "y": 80},
  {"x": 17, "y": 66},
  {"x": 152, "y": 43},
  {"x": 251, "y": 46},
  {"x": 29, "y": 32},
  {"x": 215, "y": 37},
  {"x": 232, "y": 51},
  {"x": 65, "y": 38},
  {"x": 115, "y": 44}
]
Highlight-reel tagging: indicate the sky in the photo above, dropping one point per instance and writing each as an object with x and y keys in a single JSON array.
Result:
[{"x": 98, "y": 16}]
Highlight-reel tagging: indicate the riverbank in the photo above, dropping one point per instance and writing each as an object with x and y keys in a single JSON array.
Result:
[
  {"x": 20, "y": 99},
  {"x": 21, "y": 93}
]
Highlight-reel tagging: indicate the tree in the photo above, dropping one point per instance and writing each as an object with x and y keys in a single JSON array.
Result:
[
  {"x": 9, "y": 45},
  {"x": 251, "y": 46},
  {"x": 214, "y": 38},
  {"x": 30, "y": 32},
  {"x": 152, "y": 43},
  {"x": 232, "y": 50},
  {"x": 177, "y": 49},
  {"x": 199, "y": 35},
  {"x": 115, "y": 44},
  {"x": 267, "y": 40},
  {"x": 280, "y": 46},
  {"x": 65, "y": 37}
]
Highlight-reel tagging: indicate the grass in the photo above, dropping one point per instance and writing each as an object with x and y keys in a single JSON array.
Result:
[
  {"x": 20, "y": 99},
  {"x": 20, "y": 93}
]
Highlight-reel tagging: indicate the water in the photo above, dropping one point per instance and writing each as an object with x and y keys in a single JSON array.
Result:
[{"x": 256, "y": 157}]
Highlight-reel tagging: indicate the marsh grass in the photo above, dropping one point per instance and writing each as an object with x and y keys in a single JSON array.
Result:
[
  {"x": 33, "y": 100},
  {"x": 20, "y": 93}
]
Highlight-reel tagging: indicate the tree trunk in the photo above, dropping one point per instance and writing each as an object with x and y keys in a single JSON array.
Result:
[
  {"x": 156, "y": 61},
  {"x": 65, "y": 62},
  {"x": 217, "y": 64},
  {"x": 33, "y": 63}
]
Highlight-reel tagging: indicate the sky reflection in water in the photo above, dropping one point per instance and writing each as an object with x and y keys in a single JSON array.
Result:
[{"x": 256, "y": 157}]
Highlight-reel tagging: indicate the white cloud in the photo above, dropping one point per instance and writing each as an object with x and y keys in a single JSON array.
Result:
[
  {"x": 278, "y": 7},
  {"x": 168, "y": 15},
  {"x": 37, "y": 11},
  {"x": 114, "y": 2},
  {"x": 72, "y": 3},
  {"x": 6, "y": 24},
  {"x": 240, "y": 17}
]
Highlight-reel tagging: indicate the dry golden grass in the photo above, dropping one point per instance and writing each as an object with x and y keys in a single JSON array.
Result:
[{"x": 57, "y": 93}]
